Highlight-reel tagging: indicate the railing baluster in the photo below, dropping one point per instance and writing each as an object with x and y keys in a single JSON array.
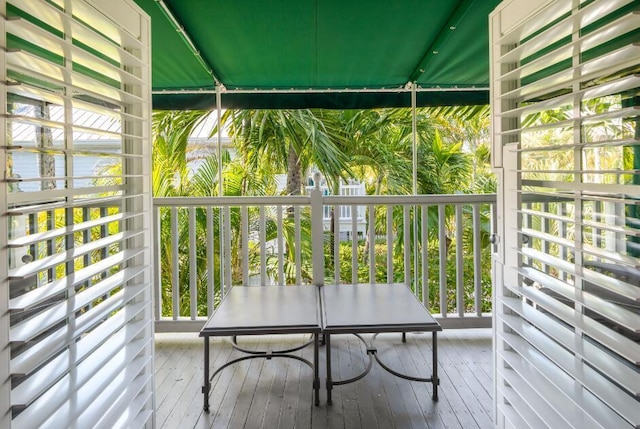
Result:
[
  {"x": 298, "y": 252},
  {"x": 425, "y": 255},
  {"x": 263, "y": 247},
  {"x": 477, "y": 266},
  {"x": 193, "y": 265},
  {"x": 157, "y": 296},
  {"x": 280, "y": 247},
  {"x": 221, "y": 252},
  {"x": 390, "y": 244},
  {"x": 407, "y": 243},
  {"x": 354, "y": 245},
  {"x": 211, "y": 279},
  {"x": 336, "y": 243},
  {"x": 415, "y": 272},
  {"x": 372, "y": 243},
  {"x": 244, "y": 240},
  {"x": 442, "y": 237},
  {"x": 175, "y": 280},
  {"x": 459, "y": 262},
  {"x": 227, "y": 251}
]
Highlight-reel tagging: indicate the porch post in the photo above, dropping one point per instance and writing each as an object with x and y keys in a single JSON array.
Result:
[{"x": 317, "y": 232}]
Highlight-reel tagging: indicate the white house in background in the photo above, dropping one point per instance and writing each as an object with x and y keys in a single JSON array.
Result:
[
  {"x": 203, "y": 142},
  {"x": 351, "y": 188},
  {"x": 346, "y": 213}
]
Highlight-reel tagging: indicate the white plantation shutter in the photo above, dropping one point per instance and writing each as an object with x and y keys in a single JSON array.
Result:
[
  {"x": 566, "y": 124},
  {"x": 76, "y": 315}
]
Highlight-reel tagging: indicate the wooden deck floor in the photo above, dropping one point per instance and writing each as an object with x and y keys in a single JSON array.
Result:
[{"x": 277, "y": 393}]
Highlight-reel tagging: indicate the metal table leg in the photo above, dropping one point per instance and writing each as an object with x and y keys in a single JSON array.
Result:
[
  {"x": 207, "y": 383},
  {"x": 327, "y": 338},
  {"x": 434, "y": 375},
  {"x": 316, "y": 370}
]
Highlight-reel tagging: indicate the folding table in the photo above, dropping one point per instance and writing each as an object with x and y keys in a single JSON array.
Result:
[
  {"x": 263, "y": 310},
  {"x": 328, "y": 309},
  {"x": 367, "y": 308}
]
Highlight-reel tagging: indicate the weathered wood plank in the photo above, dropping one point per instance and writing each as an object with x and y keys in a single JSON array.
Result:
[
  {"x": 364, "y": 391},
  {"x": 466, "y": 390},
  {"x": 473, "y": 362},
  {"x": 349, "y": 354},
  {"x": 278, "y": 393},
  {"x": 236, "y": 401},
  {"x": 406, "y": 410},
  {"x": 254, "y": 387},
  {"x": 266, "y": 407},
  {"x": 180, "y": 376},
  {"x": 413, "y": 363}
]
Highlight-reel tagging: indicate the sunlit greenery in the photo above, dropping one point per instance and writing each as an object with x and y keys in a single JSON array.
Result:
[{"x": 374, "y": 147}]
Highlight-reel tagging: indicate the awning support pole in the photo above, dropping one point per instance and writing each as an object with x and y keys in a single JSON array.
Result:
[
  {"x": 414, "y": 130},
  {"x": 222, "y": 253},
  {"x": 219, "y": 120},
  {"x": 414, "y": 144}
]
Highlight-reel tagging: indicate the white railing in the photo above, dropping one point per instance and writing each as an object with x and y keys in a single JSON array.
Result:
[
  {"x": 345, "y": 212},
  {"x": 438, "y": 244},
  {"x": 348, "y": 229}
]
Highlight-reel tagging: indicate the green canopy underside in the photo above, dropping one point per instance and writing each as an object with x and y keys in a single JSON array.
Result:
[
  {"x": 319, "y": 45},
  {"x": 367, "y": 100}
]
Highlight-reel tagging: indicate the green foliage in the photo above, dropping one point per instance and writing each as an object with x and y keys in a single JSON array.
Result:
[
  {"x": 288, "y": 141},
  {"x": 434, "y": 281},
  {"x": 374, "y": 146}
]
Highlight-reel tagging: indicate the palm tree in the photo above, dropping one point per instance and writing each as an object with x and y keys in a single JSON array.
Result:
[
  {"x": 171, "y": 131},
  {"x": 374, "y": 145},
  {"x": 468, "y": 125},
  {"x": 380, "y": 148},
  {"x": 287, "y": 141},
  {"x": 171, "y": 177}
]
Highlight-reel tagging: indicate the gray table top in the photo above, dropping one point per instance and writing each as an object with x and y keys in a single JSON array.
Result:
[
  {"x": 366, "y": 308},
  {"x": 254, "y": 310}
]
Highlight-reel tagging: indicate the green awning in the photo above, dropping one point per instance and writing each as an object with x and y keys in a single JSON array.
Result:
[{"x": 296, "y": 53}]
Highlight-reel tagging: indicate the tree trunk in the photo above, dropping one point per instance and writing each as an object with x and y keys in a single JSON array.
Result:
[
  {"x": 294, "y": 184},
  {"x": 370, "y": 241},
  {"x": 294, "y": 173}
]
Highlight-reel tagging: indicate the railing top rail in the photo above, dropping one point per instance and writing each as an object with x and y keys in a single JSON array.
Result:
[
  {"x": 301, "y": 200},
  {"x": 409, "y": 199},
  {"x": 305, "y": 200}
]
